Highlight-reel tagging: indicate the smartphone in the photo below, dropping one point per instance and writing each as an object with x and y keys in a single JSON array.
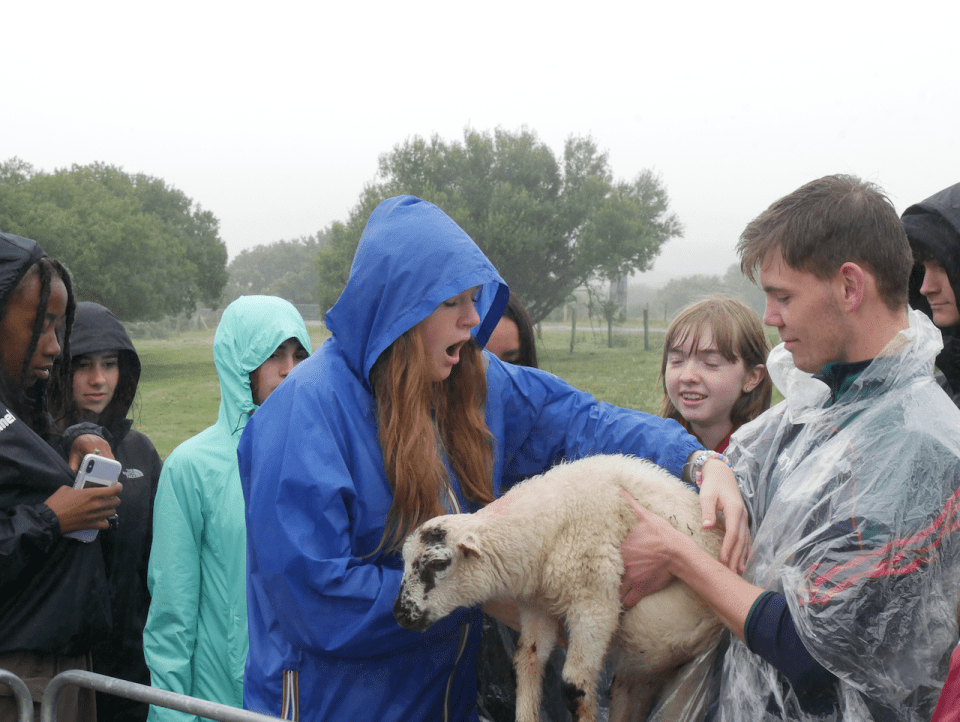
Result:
[{"x": 95, "y": 471}]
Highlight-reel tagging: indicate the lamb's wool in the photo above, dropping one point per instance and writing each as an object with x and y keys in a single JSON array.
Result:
[{"x": 553, "y": 544}]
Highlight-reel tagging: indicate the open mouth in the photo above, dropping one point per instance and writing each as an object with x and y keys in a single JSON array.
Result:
[{"x": 453, "y": 352}]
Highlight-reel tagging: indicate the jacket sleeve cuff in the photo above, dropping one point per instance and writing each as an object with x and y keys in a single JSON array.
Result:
[
  {"x": 48, "y": 516},
  {"x": 77, "y": 430}
]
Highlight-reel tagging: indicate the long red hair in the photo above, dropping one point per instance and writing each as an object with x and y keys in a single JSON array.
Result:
[{"x": 422, "y": 423}]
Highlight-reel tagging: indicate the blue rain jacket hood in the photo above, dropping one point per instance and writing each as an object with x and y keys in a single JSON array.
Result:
[
  {"x": 397, "y": 280},
  {"x": 324, "y": 644},
  {"x": 195, "y": 640}
]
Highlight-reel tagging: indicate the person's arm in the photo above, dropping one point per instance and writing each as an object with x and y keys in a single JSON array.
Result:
[
  {"x": 88, "y": 444},
  {"x": 720, "y": 493},
  {"x": 81, "y": 439},
  {"x": 543, "y": 419},
  {"x": 27, "y": 529},
  {"x": 771, "y": 633},
  {"x": 78, "y": 509},
  {"x": 654, "y": 552},
  {"x": 24, "y": 530},
  {"x": 170, "y": 634}
]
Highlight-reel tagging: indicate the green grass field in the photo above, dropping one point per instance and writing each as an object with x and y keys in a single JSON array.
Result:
[{"x": 180, "y": 396}]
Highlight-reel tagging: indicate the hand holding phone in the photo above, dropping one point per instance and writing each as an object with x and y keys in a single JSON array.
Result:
[{"x": 95, "y": 472}]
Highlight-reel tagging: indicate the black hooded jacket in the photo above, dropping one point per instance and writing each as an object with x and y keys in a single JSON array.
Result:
[
  {"x": 126, "y": 548},
  {"x": 53, "y": 590},
  {"x": 933, "y": 226}
]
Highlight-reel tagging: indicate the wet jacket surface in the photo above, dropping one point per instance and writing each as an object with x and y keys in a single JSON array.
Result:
[
  {"x": 53, "y": 590},
  {"x": 126, "y": 548},
  {"x": 53, "y": 593},
  {"x": 933, "y": 225},
  {"x": 196, "y": 634},
  {"x": 324, "y": 644},
  {"x": 854, "y": 507}
]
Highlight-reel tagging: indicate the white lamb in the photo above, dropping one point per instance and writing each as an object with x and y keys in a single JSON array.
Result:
[{"x": 552, "y": 544}]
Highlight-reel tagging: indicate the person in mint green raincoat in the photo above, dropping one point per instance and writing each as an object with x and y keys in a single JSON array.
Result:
[
  {"x": 195, "y": 641},
  {"x": 324, "y": 644}
]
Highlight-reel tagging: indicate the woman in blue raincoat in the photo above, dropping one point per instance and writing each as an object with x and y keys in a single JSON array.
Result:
[{"x": 397, "y": 418}]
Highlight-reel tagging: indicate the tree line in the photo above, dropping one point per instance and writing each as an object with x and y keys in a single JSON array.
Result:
[
  {"x": 133, "y": 243},
  {"x": 549, "y": 223},
  {"x": 682, "y": 291}
]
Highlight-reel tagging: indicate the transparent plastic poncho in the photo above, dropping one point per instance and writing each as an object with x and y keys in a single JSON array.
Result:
[{"x": 854, "y": 512}]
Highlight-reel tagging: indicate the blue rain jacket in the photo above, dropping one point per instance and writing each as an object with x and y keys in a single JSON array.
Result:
[
  {"x": 195, "y": 640},
  {"x": 324, "y": 644}
]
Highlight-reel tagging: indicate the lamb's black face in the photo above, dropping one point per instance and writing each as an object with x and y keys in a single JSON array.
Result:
[{"x": 426, "y": 557}]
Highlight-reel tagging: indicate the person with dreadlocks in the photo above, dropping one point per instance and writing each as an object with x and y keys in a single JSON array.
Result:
[
  {"x": 53, "y": 596},
  {"x": 101, "y": 387}
]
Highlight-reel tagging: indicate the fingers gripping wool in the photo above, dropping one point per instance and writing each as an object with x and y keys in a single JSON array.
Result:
[{"x": 552, "y": 544}]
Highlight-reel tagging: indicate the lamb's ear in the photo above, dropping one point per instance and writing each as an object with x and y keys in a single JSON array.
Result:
[{"x": 469, "y": 545}]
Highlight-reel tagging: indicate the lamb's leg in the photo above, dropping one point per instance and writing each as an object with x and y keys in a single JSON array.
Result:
[
  {"x": 590, "y": 627},
  {"x": 538, "y": 637}
]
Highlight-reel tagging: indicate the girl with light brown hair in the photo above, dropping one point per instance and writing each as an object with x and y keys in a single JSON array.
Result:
[{"x": 713, "y": 373}]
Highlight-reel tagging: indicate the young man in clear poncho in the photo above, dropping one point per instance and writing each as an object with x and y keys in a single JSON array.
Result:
[{"x": 846, "y": 610}]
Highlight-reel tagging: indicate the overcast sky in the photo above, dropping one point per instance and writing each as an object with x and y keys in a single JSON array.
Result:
[{"x": 272, "y": 115}]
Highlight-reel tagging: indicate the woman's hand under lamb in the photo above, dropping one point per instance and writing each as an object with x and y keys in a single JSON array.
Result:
[{"x": 720, "y": 493}]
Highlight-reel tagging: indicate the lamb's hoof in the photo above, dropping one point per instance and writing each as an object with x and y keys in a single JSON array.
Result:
[{"x": 573, "y": 698}]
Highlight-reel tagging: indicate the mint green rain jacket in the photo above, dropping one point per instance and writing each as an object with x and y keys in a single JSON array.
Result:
[{"x": 195, "y": 641}]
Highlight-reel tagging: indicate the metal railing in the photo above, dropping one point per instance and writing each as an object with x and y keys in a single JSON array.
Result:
[
  {"x": 21, "y": 693},
  {"x": 134, "y": 691}
]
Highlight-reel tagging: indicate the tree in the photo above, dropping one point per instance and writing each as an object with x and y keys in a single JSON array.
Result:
[
  {"x": 283, "y": 268},
  {"x": 334, "y": 259},
  {"x": 131, "y": 242},
  {"x": 681, "y": 292},
  {"x": 606, "y": 305},
  {"x": 548, "y": 225}
]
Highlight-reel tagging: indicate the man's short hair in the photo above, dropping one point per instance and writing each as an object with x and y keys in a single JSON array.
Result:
[{"x": 828, "y": 222}]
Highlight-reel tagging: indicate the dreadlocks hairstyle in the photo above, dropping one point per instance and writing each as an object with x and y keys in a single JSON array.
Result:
[
  {"x": 421, "y": 423},
  {"x": 30, "y": 404},
  {"x": 739, "y": 335}
]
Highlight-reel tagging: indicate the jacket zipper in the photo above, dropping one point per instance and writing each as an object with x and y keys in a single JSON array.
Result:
[{"x": 463, "y": 645}]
